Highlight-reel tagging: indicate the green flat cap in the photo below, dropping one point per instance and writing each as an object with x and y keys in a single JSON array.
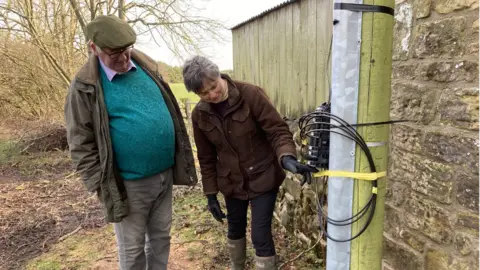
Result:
[{"x": 110, "y": 32}]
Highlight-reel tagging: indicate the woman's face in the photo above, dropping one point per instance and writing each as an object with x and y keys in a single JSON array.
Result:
[{"x": 214, "y": 91}]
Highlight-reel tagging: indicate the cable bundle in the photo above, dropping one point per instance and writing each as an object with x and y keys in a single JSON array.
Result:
[{"x": 317, "y": 126}]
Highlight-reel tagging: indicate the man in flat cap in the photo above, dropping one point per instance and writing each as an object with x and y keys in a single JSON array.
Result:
[{"x": 128, "y": 142}]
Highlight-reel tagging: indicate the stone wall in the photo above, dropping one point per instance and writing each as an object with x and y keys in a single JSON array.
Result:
[
  {"x": 431, "y": 219},
  {"x": 296, "y": 209}
]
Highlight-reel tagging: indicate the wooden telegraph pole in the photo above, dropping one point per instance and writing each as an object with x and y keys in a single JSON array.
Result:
[
  {"x": 361, "y": 87},
  {"x": 374, "y": 106}
]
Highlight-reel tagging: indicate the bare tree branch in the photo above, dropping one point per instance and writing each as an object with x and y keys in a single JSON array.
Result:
[
  {"x": 19, "y": 61},
  {"x": 174, "y": 23},
  {"x": 93, "y": 10},
  {"x": 79, "y": 16},
  {"x": 45, "y": 41},
  {"x": 121, "y": 9}
]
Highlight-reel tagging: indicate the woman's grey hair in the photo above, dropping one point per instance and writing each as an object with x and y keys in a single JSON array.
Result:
[{"x": 196, "y": 70}]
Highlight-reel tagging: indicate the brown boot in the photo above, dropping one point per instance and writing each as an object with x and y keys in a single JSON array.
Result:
[
  {"x": 266, "y": 263},
  {"x": 238, "y": 253}
]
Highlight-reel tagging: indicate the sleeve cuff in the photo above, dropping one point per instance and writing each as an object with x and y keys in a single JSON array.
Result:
[{"x": 286, "y": 154}]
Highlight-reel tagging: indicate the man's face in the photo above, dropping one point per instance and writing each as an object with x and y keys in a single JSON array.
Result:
[
  {"x": 213, "y": 91},
  {"x": 116, "y": 60}
]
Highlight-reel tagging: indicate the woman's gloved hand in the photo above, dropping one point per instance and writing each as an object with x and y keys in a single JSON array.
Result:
[
  {"x": 214, "y": 207},
  {"x": 291, "y": 164}
]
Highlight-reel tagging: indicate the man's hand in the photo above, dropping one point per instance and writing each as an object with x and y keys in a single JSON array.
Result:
[{"x": 214, "y": 207}]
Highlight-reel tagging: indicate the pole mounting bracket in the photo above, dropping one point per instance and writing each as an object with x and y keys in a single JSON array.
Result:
[{"x": 364, "y": 8}]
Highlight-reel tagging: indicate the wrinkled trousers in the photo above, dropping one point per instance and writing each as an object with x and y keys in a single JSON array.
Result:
[{"x": 143, "y": 237}]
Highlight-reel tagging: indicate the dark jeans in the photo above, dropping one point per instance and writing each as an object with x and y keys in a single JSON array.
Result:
[{"x": 262, "y": 213}]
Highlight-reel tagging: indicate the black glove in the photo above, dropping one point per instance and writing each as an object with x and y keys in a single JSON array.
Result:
[
  {"x": 214, "y": 207},
  {"x": 291, "y": 164}
]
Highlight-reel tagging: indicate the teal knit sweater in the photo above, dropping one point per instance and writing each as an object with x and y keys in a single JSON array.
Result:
[{"x": 141, "y": 127}]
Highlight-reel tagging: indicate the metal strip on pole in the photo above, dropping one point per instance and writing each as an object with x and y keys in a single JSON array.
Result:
[{"x": 344, "y": 103}]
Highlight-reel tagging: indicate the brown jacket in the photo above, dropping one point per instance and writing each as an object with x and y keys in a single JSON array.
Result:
[{"x": 239, "y": 153}]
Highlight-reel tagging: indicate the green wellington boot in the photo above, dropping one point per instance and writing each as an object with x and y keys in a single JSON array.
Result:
[
  {"x": 238, "y": 253},
  {"x": 266, "y": 263}
]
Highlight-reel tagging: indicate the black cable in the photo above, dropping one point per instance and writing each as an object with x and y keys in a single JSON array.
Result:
[
  {"x": 350, "y": 130},
  {"x": 307, "y": 127},
  {"x": 351, "y": 133},
  {"x": 381, "y": 123},
  {"x": 364, "y": 147}
]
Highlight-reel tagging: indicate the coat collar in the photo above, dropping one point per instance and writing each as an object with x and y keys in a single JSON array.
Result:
[
  {"x": 233, "y": 95},
  {"x": 89, "y": 74}
]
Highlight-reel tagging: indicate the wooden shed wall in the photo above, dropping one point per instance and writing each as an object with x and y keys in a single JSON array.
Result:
[{"x": 286, "y": 52}]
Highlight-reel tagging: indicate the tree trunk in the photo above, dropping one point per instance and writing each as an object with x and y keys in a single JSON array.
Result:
[
  {"x": 121, "y": 9},
  {"x": 80, "y": 19}
]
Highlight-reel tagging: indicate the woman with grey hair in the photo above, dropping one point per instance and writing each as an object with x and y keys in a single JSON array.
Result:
[{"x": 243, "y": 146}]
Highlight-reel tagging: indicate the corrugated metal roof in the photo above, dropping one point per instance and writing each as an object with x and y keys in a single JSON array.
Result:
[{"x": 264, "y": 13}]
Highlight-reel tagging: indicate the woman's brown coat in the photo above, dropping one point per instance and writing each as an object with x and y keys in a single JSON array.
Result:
[{"x": 239, "y": 153}]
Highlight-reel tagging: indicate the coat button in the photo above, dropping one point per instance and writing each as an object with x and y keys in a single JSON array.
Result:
[
  {"x": 251, "y": 168},
  {"x": 229, "y": 131}
]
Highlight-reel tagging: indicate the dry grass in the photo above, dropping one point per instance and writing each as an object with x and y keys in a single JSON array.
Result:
[
  {"x": 40, "y": 199},
  {"x": 35, "y": 214}
]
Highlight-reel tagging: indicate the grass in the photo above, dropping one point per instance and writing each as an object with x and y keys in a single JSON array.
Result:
[
  {"x": 8, "y": 151},
  {"x": 198, "y": 242},
  {"x": 195, "y": 242},
  {"x": 32, "y": 165},
  {"x": 206, "y": 238},
  {"x": 193, "y": 224},
  {"x": 181, "y": 92},
  {"x": 79, "y": 251}
]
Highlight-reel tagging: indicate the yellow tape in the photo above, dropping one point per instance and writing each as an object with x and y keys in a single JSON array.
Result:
[
  {"x": 374, "y": 190},
  {"x": 355, "y": 175}
]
